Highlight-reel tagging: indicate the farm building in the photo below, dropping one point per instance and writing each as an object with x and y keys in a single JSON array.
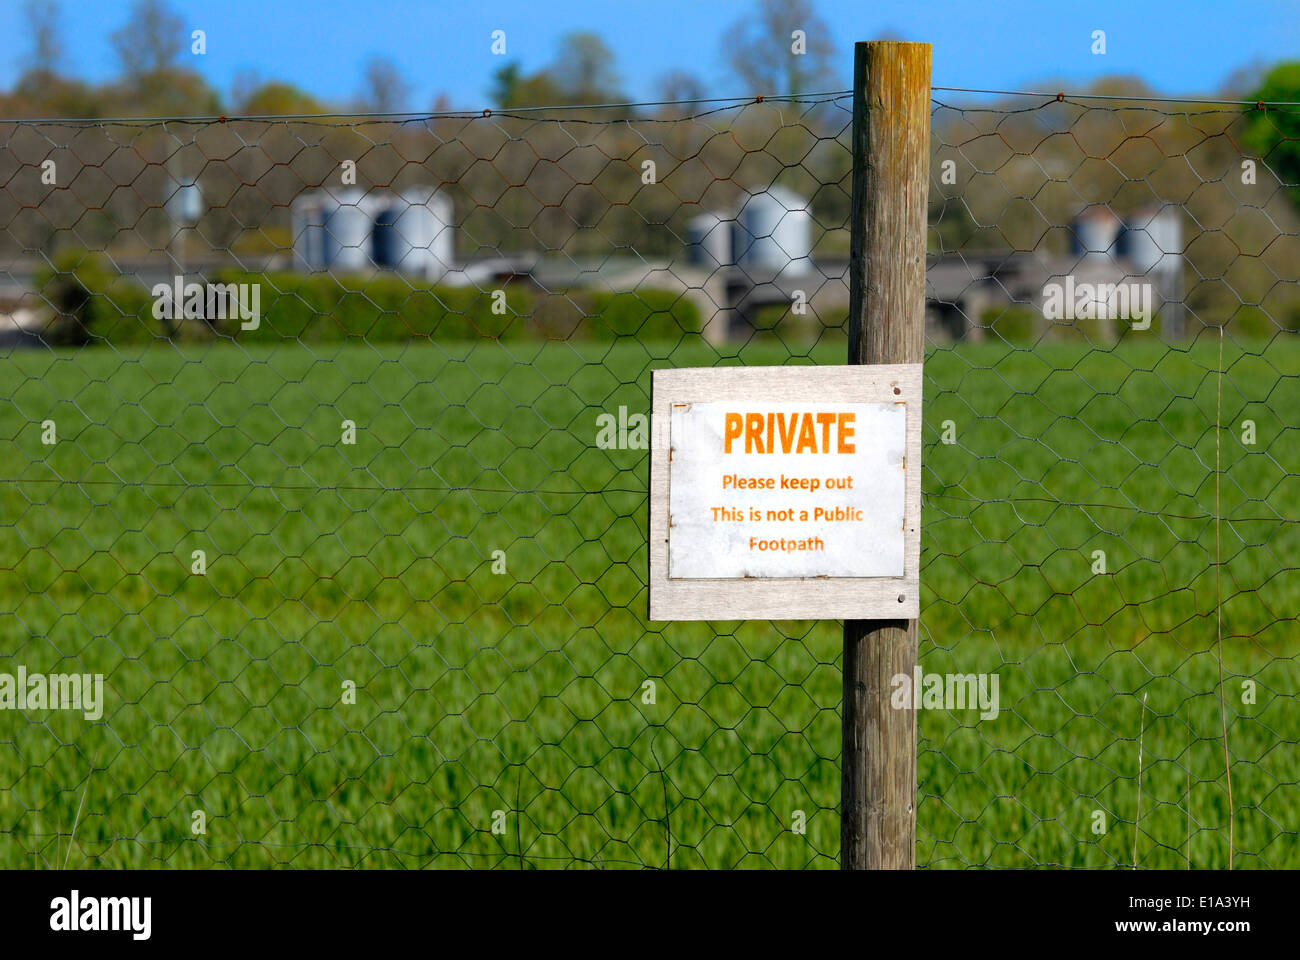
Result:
[{"x": 355, "y": 230}]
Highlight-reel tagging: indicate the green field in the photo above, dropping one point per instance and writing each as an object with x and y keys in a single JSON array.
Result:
[{"x": 522, "y": 692}]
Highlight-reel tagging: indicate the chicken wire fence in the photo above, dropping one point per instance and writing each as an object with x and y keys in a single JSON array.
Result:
[{"x": 325, "y": 453}]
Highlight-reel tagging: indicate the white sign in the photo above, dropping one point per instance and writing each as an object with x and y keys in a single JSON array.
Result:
[
  {"x": 786, "y": 493},
  {"x": 786, "y": 490}
]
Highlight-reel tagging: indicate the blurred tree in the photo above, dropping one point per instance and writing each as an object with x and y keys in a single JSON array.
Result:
[
  {"x": 47, "y": 49},
  {"x": 41, "y": 90},
  {"x": 584, "y": 70},
  {"x": 384, "y": 88},
  {"x": 153, "y": 82},
  {"x": 538, "y": 90},
  {"x": 762, "y": 49},
  {"x": 50, "y": 95},
  {"x": 680, "y": 85},
  {"x": 512, "y": 88},
  {"x": 1274, "y": 134},
  {"x": 167, "y": 93},
  {"x": 505, "y": 84},
  {"x": 1116, "y": 85},
  {"x": 951, "y": 227},
  {"x": 275, "y": 99},
  {"x": 150, "y": 41}
]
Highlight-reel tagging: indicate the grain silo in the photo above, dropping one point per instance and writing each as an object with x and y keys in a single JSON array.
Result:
[
  {"x": 772, "y": 234},
  {"x": 708, "y": 242},
  {"x": 347, "y": 230},
  {"x": 185, "y": 205},
  {"x": 1094, "y": 233},
  {"x": 1153, "y": 240},
  {"x": 413, "y": 233},
  {"x": 307, "y": 217}
]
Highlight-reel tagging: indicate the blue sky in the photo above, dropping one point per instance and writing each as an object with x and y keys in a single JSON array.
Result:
[{"x": 442, "y": 47}]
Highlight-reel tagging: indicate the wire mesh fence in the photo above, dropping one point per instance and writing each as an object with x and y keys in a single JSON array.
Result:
[
  {"x": 326, "y": 452},
  {"x": 1107, "y": 525}
]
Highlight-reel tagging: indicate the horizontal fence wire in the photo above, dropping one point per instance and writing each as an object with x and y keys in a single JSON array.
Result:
[
  {"x": 355, "y": 535},
  {"x": 1107, "y": 522}
]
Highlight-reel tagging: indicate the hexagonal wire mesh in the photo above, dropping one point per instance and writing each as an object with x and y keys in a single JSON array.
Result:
[{"x": 358, "y": 543}]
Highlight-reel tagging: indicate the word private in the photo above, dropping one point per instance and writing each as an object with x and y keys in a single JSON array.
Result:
[{"x": 786, "y": 490}]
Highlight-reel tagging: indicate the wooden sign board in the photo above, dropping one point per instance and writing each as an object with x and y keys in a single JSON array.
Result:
[{"x": 786, "y": 493}]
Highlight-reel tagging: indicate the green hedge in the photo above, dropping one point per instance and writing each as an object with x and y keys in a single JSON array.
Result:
[
  {"x": 387, "y": 307},
  {"x": 91, "y": 304}
]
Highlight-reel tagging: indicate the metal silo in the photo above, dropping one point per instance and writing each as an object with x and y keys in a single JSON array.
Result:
[
  {"x": 1094, "y": 232},
  {"x": 413, "y": 233},
  {"x": 389, "y": 247},
  {"x": 708, "y": 242},
  {"x": 1152, "y": 243},
  {"x": 185, "y": 205},
  {"x": 442, "y": 245},
  {"x": 1153, "y": 240},
  {"x": 307, "y": 216},
  {"x": 773, "y": 234},
  {"x": 347, "y": 228}
]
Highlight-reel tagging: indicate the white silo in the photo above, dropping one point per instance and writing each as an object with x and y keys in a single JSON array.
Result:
[
  {"x": 708, "y": 242},
  {"x": 1153, "y": 244},
  {"x": 773, "y": 234},
  {"x": 185, "y": 205},
  {"x": 1094, "y": 233},
  {"x": 444, "y": 237},
  {"x": 307, "y": 219},
  {"x": 413, "y": 233},
  {"x": 1153, "y": 240},
  {"x": 347, "y": 229}
]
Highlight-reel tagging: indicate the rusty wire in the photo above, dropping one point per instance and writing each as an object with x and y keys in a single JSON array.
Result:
[{"x": 504, "y": 718}]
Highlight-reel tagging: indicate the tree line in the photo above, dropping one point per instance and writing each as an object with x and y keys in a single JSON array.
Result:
[{"x": 153, "y": 80}]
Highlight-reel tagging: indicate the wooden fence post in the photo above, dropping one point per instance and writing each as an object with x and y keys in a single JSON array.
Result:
[{"x": 891, "y": 168}]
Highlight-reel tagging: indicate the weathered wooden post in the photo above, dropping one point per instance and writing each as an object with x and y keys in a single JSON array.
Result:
[{"x": 891, "y": 159}]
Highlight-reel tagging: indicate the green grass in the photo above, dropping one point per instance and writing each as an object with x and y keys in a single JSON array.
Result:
[{"x": 522, "y": 692}]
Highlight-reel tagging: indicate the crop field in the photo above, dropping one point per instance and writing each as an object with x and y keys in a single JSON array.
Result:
[{"x": 500, "y": 716}]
